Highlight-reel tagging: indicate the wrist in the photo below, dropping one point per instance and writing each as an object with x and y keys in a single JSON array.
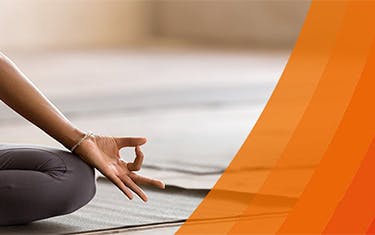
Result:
[
  {"x": 85, "y": 137},
  {"x": 74, "y": 136},
  {"x": 85, "y": 146}
]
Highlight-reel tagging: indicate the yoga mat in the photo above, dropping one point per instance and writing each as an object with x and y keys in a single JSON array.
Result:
[
  {"x": 111, "y": 212},
  {"x": 111, "y": 209}
]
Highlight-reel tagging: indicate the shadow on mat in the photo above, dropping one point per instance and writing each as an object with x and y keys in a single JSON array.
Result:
[{"x": 40, "y": 227}]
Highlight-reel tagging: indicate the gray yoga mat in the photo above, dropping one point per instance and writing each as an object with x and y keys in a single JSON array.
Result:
[
  {"x": 185, "y": 126},
  {"x": 110, "y": 209}
]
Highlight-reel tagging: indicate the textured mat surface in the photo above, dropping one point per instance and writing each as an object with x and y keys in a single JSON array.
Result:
[{"x": 110, "y": 209}]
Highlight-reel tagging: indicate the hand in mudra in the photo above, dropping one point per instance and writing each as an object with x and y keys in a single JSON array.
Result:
[{"x": 102, "y": 152}]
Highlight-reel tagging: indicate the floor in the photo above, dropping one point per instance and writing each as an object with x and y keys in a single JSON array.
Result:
[{"x": 195, "y": 107}]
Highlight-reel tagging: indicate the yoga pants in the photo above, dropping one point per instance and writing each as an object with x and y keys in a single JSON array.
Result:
[{"x": 40, "y": 182}]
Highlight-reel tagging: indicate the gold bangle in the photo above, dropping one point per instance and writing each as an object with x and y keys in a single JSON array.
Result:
[{"x": 87, "y": 135}]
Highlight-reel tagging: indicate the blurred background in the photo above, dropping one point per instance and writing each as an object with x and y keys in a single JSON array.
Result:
[
  {"x": 192, "y": 76},
  {"x": 78, "y": 24}
]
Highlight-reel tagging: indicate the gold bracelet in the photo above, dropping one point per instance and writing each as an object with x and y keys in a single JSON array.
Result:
[{"x": 87, "y": 135}]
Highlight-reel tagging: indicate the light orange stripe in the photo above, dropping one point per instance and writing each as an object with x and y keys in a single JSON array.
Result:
[
  {"x": 277, "y": 122},
  {"x": 344, "y": 155},
  {"x": 357, "y": 209}
]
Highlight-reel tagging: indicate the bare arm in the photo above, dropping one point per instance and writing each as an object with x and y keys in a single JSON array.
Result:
[
  {"x": 102, "y": 152},
  {"x": 21, "y": 95}
]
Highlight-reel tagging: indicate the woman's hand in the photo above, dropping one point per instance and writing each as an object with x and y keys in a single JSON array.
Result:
[{"x": 102, "y": 152}]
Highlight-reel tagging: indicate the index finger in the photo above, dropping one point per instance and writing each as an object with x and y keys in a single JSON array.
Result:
[{"x": 130, "y": 141}]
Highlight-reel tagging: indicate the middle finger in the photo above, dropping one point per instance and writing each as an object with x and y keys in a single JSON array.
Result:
[{"x": 135, "y": 188}]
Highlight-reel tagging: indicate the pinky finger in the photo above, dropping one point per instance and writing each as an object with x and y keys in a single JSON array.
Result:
[{"x": 139, "y": 179}]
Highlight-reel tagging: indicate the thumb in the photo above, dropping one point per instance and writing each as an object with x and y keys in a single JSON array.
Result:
[{"x": 130, "y": 141}]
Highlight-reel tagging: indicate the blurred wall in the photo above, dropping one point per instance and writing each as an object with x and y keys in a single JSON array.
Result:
[
  {"x": 72, "y": 23},
  {"x": 252, "y": 22},
  {"x": 114, "y": 23}
]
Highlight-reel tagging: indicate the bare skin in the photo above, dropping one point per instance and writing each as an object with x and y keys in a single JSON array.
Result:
[{"x": 101, "y": 152}]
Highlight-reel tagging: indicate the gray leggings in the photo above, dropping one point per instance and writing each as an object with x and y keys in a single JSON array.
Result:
[{"x": 40, "y": 182}]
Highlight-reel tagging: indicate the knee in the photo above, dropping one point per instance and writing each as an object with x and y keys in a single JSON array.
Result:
[
  {"x": 76, "y": 177},
  {"x": 79, "y": 183}
]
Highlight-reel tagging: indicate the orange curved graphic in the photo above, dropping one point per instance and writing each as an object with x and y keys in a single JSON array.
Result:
[{"x": 305, "y": 164}]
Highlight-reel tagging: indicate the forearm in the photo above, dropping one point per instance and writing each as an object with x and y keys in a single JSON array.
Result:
[{"x": 21, "y": 95}]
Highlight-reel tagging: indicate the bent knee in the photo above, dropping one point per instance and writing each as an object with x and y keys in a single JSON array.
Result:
[{"x": 80, "y": 183}]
